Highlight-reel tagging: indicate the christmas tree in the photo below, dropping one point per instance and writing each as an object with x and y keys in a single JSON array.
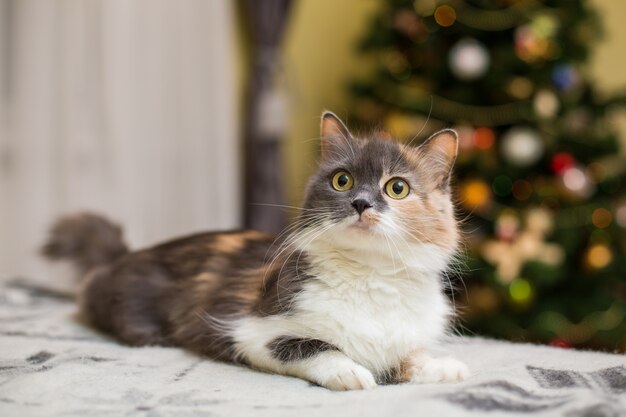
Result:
[{"x": 540, "y": 184}]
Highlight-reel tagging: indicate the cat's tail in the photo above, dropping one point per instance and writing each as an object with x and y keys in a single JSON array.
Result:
[{"x": 86, "y": 240}]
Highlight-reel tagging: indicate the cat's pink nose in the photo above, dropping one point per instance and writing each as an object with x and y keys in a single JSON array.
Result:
[{"x": 360, "y": 205}]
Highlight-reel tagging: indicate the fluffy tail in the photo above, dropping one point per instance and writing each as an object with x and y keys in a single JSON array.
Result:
[{"x": 87, "y": 240}]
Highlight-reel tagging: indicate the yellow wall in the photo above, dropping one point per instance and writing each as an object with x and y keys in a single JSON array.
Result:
[
  {"x": 320, "y": 58},
  {"x": 608, "y": 66}
]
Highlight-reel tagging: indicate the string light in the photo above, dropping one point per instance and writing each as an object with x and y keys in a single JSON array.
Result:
[
  {"x": 475, "y": 194},
  {"x": 561, "y": 162},
  {"x": 599, "y": 256},
  {"x": 445, "y": 15},
  {"x": 575, "y": 179},
  {"x": 484, "y": 138},
  {"x": 520, "y": 291},
  {"x": 601, "y": 218}
]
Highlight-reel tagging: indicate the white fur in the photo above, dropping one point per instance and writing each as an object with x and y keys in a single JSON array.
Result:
[{"x": 377, "y": 300}]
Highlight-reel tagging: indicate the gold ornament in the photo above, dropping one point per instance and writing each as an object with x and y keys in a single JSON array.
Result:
[
  {"x": 599, "y": 256},
  {"x": 445, "y": 15},
  {"x": 475, "y": 194},
  {"x": 601, "y": 218}
]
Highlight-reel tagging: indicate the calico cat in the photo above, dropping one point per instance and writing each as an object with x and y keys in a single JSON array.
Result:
[{"x": 349, "y": 296}]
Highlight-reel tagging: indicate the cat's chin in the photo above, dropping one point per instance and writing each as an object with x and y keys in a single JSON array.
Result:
[{"x": 361, "y": 226}]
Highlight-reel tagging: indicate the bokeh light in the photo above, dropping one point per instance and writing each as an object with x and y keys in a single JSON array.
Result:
[
  {"x": 484, "y": 138},
  {"x": 445, "y": 16},
  {"x": 601, "y": 218},
  {"x": 520, "y": 291},
  {"x": 599, "y": 256}
]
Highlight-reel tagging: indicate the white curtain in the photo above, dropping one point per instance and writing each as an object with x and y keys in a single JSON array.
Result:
[{"x": 122, "y": 107}]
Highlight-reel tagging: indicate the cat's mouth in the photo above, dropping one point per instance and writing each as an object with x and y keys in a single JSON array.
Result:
[{"x": 365, "y": 221}]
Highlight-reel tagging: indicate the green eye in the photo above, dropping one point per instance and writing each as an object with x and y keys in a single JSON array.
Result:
[
  {"x": 397, "y": 188},
  {"x": 342, "y": 181}
]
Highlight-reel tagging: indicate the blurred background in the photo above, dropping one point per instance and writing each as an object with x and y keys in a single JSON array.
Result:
[{"x": 175, "y": 117}]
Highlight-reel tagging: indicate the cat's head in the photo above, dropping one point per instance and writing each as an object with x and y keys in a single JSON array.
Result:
[{"x": 371, "y": 192}]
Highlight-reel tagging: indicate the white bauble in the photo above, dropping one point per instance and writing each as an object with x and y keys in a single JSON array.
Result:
[
  {"x": 522, "y": 146},
  {"x": 546, "y": 104},
  {"x": 468, "y": 59}
]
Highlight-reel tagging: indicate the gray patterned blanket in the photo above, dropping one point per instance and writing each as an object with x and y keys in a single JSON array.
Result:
[{"x": 51, "y": 365}]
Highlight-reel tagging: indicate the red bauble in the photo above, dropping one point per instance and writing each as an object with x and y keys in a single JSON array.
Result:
[
  {"x": 561, "y": 162},
  {"x": 560, "y": 343}
]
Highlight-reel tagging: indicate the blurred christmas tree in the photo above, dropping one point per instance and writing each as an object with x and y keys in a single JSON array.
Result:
[{"x": 538, "y": 176}]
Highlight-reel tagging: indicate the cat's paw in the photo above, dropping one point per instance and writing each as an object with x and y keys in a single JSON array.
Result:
[
  {"x": 440, "y": 370},
  {"x": 350, "y": 378}
]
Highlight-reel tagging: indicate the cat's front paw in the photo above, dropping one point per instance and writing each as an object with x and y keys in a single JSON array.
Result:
[
  {"x": 350, "y": 378},
  {"x": 439, "y": 370}
]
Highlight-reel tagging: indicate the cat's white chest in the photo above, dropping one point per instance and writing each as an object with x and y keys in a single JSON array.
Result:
[{"x": 376, "y": 316}]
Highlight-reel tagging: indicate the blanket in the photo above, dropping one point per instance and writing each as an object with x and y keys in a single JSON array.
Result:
[{"x": 52, "y": 365}]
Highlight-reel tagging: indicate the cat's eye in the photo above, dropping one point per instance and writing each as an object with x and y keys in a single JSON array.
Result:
[
  {"x": 397, "y": 188},
  {"x": 342, "y": 181}
]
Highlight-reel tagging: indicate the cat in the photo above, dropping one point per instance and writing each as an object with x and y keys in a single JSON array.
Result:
[{"x": 348, "y": 297}]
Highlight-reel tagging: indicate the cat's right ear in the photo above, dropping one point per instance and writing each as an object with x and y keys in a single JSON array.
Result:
[{"x": 333, "y": 133}]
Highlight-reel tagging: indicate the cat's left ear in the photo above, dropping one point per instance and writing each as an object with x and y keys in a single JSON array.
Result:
[
  {"x": 333, "y": 133},
  {"x": 439, "y": 153}
]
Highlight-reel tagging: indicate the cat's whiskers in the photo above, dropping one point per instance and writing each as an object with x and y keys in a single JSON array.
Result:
[
  {"x": 324, "y": 230},
  {"x": 290, "y": 207},
  {"x": 316, "y": 233},
  {"x": 397, "y": 233},
  {"x": 293, "y": 232}
]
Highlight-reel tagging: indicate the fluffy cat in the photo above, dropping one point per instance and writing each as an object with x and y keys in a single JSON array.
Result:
[{"x": 348, "y": 297}]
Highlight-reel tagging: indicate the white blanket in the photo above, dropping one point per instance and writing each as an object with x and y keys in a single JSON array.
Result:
[{"x": 51, "y": 365}]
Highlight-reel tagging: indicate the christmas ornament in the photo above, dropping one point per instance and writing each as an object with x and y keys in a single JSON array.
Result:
[
  {"x": 520, "y": 88},
  {"x": 520, "y": 291},
  {"x": 565, "y": 77},
  {"x": 484, "y": 138},
  {"x": 546, "y": 104},
  {"x": 522, "y": 146},
  {"x": 560, "y": 343},
  {"x": 535, "y": 41},
  {"x": 601, "y": 218},
  {"x": 508, "y": 256},
  {"x": 575, "y": 180},
  {"x": 475, "y": 194},
  {"x": 468, "y": 59},
  {"x": 445, "y": 15},
  {"x": 599, "y": 256},
  {"x": 561, "y": 162}
]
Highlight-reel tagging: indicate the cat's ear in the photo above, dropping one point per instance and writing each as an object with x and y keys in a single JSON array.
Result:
[
  {"x": 439, "y": 153},
  {"x": 333, "y": 133}
]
